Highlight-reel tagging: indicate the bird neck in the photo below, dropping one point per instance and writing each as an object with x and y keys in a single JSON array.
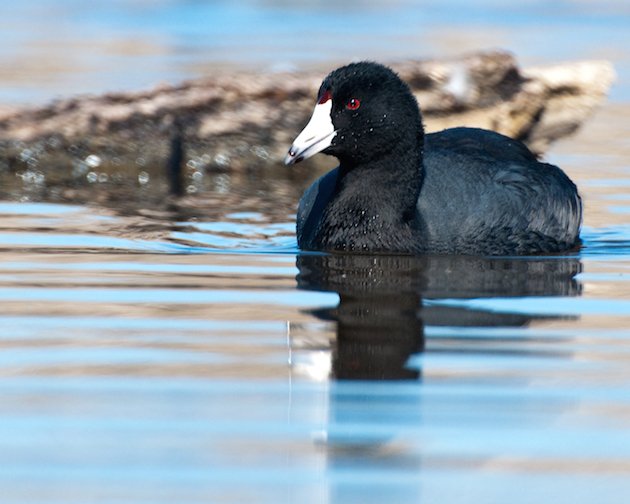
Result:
[
  {"x": 372, "y": 198},
  {"x": 391, "y": 182}
]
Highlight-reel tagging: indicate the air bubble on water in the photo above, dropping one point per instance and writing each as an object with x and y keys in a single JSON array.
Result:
[
  {"x": 222, "y": 160},
  {"x": 143, "y": 178},
  {"x": 141, "y": 161},
  {"x": 197, "y": 176},
  {"x": 93, "y": 161},
  {"x": 103, "y": 177},
  {"x": 92, "y": 177},
  {"x": 191, "y": 189},
  {"x": 193, "y": 164}
]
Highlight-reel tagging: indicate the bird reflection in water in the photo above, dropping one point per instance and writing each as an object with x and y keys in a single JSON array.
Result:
[
  {"x": 380, "y": 317},
  {"x": 380, "y": 322}
]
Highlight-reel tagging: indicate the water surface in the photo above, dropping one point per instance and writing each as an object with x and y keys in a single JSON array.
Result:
[
  {"x": 187, "y": 352},
  {"x": 183, "y": 350},
  {"x": 50, "y": 48}
]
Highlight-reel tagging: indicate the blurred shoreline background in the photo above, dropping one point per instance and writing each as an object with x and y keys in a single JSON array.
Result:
[
  {"x": 51, "y": 49},
  {"x": 60, "y": 49}
]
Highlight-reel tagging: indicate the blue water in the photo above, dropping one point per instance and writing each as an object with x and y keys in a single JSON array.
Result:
[
  {"x": 50, "y": 48},
  {"x": 167, "y": 371},
  {"x": 152, "y": 355}
]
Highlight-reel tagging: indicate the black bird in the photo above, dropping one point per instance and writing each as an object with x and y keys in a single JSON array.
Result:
[{"x": 397, "y": 190}]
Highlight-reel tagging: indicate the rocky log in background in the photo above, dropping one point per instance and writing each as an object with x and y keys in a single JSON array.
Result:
[{"x": 244, "y": 120}]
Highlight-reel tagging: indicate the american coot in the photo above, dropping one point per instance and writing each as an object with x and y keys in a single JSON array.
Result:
[{"x": 397, "y": 190}]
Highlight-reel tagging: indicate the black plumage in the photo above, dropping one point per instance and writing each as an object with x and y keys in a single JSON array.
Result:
[{"x": 397, "y": 190}]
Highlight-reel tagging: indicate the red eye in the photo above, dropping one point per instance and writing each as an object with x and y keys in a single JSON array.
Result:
[
  {"x": 326, "y": 95},
  {"x": 353, "y": 104}
]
